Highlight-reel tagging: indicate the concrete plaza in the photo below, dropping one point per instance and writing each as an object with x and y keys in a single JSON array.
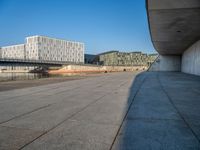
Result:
[{"x": 142, "y": 111}]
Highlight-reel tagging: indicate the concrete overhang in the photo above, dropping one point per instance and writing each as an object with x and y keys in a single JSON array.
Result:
[{"x": 174, "y": 24}]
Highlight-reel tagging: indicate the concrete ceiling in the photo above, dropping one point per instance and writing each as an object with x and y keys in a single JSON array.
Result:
[{"x": 174, "y": 24}]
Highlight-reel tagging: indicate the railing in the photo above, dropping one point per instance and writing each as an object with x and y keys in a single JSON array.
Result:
[
  {"x": 37, "y": 61},
  {"x": 153, "y": 62}
]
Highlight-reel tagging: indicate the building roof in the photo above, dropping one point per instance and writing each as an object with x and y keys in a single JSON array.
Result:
[
  {"x": 114, "y": 51},
  {"x": 13, "y": 45},
  {"x": 53, "y": 38},
  {"x": 174, "y": 24}
]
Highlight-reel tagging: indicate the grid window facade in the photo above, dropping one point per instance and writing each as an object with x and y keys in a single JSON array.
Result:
[
  {"x": 46, "y": 49},
  {"x": 116, "y": 58},
  {"x": 13, "y": 52}
]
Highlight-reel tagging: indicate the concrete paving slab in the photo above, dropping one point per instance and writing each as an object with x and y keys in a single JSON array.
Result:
[
  {"x": 45, "y": 119},
  {"x": 147, "y": 134},
  {"x": 13, "y": 138},
  {"x": 186, "y": 99},
  {"x": 29, "y": 103},
  {"x": 161, "y": 114},
  {"x": 106, "y": 111},
  {"x": 77, "y": 135},
  {"x": 63, "y": 106},
  {"x": 94, "y": 113},
  {"x": 153, "y": 100}
]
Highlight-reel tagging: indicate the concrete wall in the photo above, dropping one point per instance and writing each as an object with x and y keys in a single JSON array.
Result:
[
  {"x": 86, "y": 68},
  {"x": 166, "y": 63},
  {"x": 191, "y": 59}
]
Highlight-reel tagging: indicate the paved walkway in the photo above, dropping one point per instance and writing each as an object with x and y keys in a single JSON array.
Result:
[
  {"x": 116, "y": 111},
  {"x": 164, "y": 114}
]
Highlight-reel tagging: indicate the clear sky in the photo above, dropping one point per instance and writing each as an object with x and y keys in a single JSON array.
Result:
[{"x": 101, "y": 24}]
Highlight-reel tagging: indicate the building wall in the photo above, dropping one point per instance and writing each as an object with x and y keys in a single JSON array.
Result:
[
  {"x": 50, "y": 49},
  {"x": 32, "y": 50},
  {"x": 125, "y": 59},
  {"x": 46, "y": 49},
  {"x": 13, "y": 52},
  {"x": 109, "y": 59},
  {"x": 151, "y": 58},
  {"x": 89, "y": 59},
  {"x": 166, "y": 63},
  {"x": 191, "y": 59}
]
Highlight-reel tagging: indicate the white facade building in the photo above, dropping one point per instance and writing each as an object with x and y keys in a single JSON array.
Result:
[
  {"x": 13, "y": 52},
  {"x": 46, "y": 49}
]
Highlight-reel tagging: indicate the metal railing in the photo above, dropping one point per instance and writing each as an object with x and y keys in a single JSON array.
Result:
[{"x": 37, "y": 61}]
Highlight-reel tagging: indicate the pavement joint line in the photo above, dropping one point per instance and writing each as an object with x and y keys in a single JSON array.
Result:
[
  {"x": 21, "y": 128},
  {"x": 24, "y": 114},
  {"x": 37, "y": 109},
  {"x": 129, "y": 107},
  {"x": 59, "y": 83},
  {"x": 63, "y": 100},
  {"x": 62, "y": 91},
  {"x": 71, "y": 116},
  {"x": 151, "y": 119},
  {"x": 182, "y": 117},
  {"x": 35, "y": 86},
  {"x": 95, "y": 122},
  {"x": 41, "y": 91},
  {"x": 47, "y": 131},
  {"x": 37, "y": 91}
]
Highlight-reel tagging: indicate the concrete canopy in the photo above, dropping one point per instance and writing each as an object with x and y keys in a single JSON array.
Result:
[{"x": 174, "y": 24}]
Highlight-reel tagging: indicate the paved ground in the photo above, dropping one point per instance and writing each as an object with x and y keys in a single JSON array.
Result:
[
  {"x": 113, "y": 111},
  {"x": 19, "y": 84},
  {"x": 164, "y": 114}
]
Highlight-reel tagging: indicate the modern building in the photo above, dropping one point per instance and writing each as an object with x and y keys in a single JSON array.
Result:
[
  {"x": 151, "y": 58},
  {"x": 175, "y": 32},
  {"x": 89, "y": 58},
  {"x": 13, "y": 52},
  {"x": 116, "y": 58},
  {"x": 45, "y": 49}
]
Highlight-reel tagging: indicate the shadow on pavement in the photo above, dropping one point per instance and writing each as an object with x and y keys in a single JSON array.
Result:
[{"x": 163, "y": 113}]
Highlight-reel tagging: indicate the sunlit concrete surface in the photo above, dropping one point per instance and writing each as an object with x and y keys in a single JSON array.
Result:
[
  {"x": 78, "y": 114},
  {"x": 150, "y": 110}
]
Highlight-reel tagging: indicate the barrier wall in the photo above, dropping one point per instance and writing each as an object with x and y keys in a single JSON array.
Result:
[
  {"x": 86, "y": 68},
  {"x": 166, "y": 63},
  {"x": 191, "y": 59}
]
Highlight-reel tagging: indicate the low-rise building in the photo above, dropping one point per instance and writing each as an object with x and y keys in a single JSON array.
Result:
[
  {"x": 116, "y": 58},
  {"x": 151, "y": 58},
  {"x": 89, "y": 58}
]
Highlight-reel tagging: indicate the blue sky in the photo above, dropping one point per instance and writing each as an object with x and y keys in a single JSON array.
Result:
[{"x": 101, "y": 24}]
